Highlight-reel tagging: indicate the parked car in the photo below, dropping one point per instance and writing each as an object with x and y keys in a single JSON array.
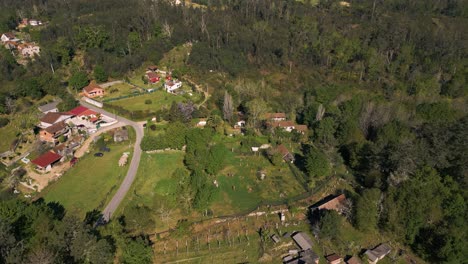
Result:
[
  {"x": 99, "y": 154},
  {"x": 73, "y": 161},
  {"x": 104, "y": 149}
]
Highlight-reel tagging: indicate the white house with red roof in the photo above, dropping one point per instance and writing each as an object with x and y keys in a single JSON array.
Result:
[
  {"x": 93, "y": 90},
  {"x": 172, "y": 85}
]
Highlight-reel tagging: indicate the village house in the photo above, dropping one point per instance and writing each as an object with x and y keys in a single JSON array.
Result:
[
  {"x": 378, "y": 253},
  {"x": 34, "y": 22},
  {"x": 336, "y": 203},
  {"x": 83, "y": 112},
  {"x": 11, "y": 45},
  {"x": 120, "y": 135},
  {"x": 9, "y": 36},
  {"x": 45, "y": 162},
  {"x": 50, "y": 107},
  {"x": 285, "y": 154},
  {"x": 93, "y": 90},
  {"x": 286, "y": 125},
  {"x": 275, "y": 117},
  {"x": 170, "y": 86},
  {"x": 334, "y": 259},
  {"x": 52, "y": 118},
  {"x": 52, "y": 133},
  {"x": 152, "y": 77}
]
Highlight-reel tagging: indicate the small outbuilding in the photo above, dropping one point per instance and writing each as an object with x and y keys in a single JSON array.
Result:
[
  {"x": 46, "y": 161},
  {"x": 302, "y": 240},
  {"x": 378, "y": 253}
]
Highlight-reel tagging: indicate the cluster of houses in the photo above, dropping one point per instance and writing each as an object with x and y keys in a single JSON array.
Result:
[
  {"x": 29, "y": 22},
  {"x": 153, "y": 75},
  {"x": 65, "y": 132},
  {"x": 304, "y": 242},
  {"x": 279, "y": 120},
  {"x": 305, "y": 255},
  {"x": 23, "y": 48}
]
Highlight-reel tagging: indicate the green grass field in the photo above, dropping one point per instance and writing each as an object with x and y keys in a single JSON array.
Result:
[
  {"x": 120, "y": 89},
  {"x": 160, "y": 100},
  {"x": 91, "y": 183},
  {"x": 153, "y": 178},
  {"x": 8, "y": 135}
]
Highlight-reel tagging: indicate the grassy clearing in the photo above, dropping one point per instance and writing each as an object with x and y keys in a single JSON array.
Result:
[
  {"x": 91, "y": 183},
  {"x": 159, "y": 100},
  {"x": 240, "y": 187},
  {"x": 8, "y": 135},
  {"x": 120, "y": 89},
  {"x": 153, "y": 180}
]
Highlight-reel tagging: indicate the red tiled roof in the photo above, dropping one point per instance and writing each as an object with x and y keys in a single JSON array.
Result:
[
  {"x": 301, "y": 128},
  {"x": 275, "y": 115},
  {"x": 88, "y": 112},
  {"x": 283, "y": 124},
  {"x": 78, "y": 110},
  {"x": 46, "y": 159}
]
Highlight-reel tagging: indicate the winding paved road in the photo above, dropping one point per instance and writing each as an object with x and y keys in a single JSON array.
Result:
[{"x": 132, "y": 170}]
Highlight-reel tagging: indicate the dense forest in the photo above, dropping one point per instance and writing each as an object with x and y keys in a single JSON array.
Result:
[{"x": 382, "y": 86}]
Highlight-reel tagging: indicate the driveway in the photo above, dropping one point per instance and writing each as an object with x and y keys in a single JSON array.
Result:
[{"x": 132, "y": 170}]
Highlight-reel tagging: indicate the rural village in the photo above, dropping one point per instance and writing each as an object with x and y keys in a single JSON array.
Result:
[{"x": 231, "y": 132}]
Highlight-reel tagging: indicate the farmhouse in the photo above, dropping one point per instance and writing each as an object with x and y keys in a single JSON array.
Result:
[
  {"x": 93, "y": 90},
  {"x": 83, "y": 112},
  {"x": 171, "y": 85},
  {"x": 45, "y": 162},
  {"x": 50, "y": 107},
  {"x": 286, "y": 125},
  {"x": 52, "y": 118},
  {"x": 331, "y": 202},
  {"x": 53, "y": 132},
  {"x": 378, "y": 253},
  {"x": 334, "y": 259},
  {"x": 9, "y": 37},
  {"x": 275, "y": 116},
  {"x": 285, "y": 154},
  {"x": 152, "y": 77}
]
